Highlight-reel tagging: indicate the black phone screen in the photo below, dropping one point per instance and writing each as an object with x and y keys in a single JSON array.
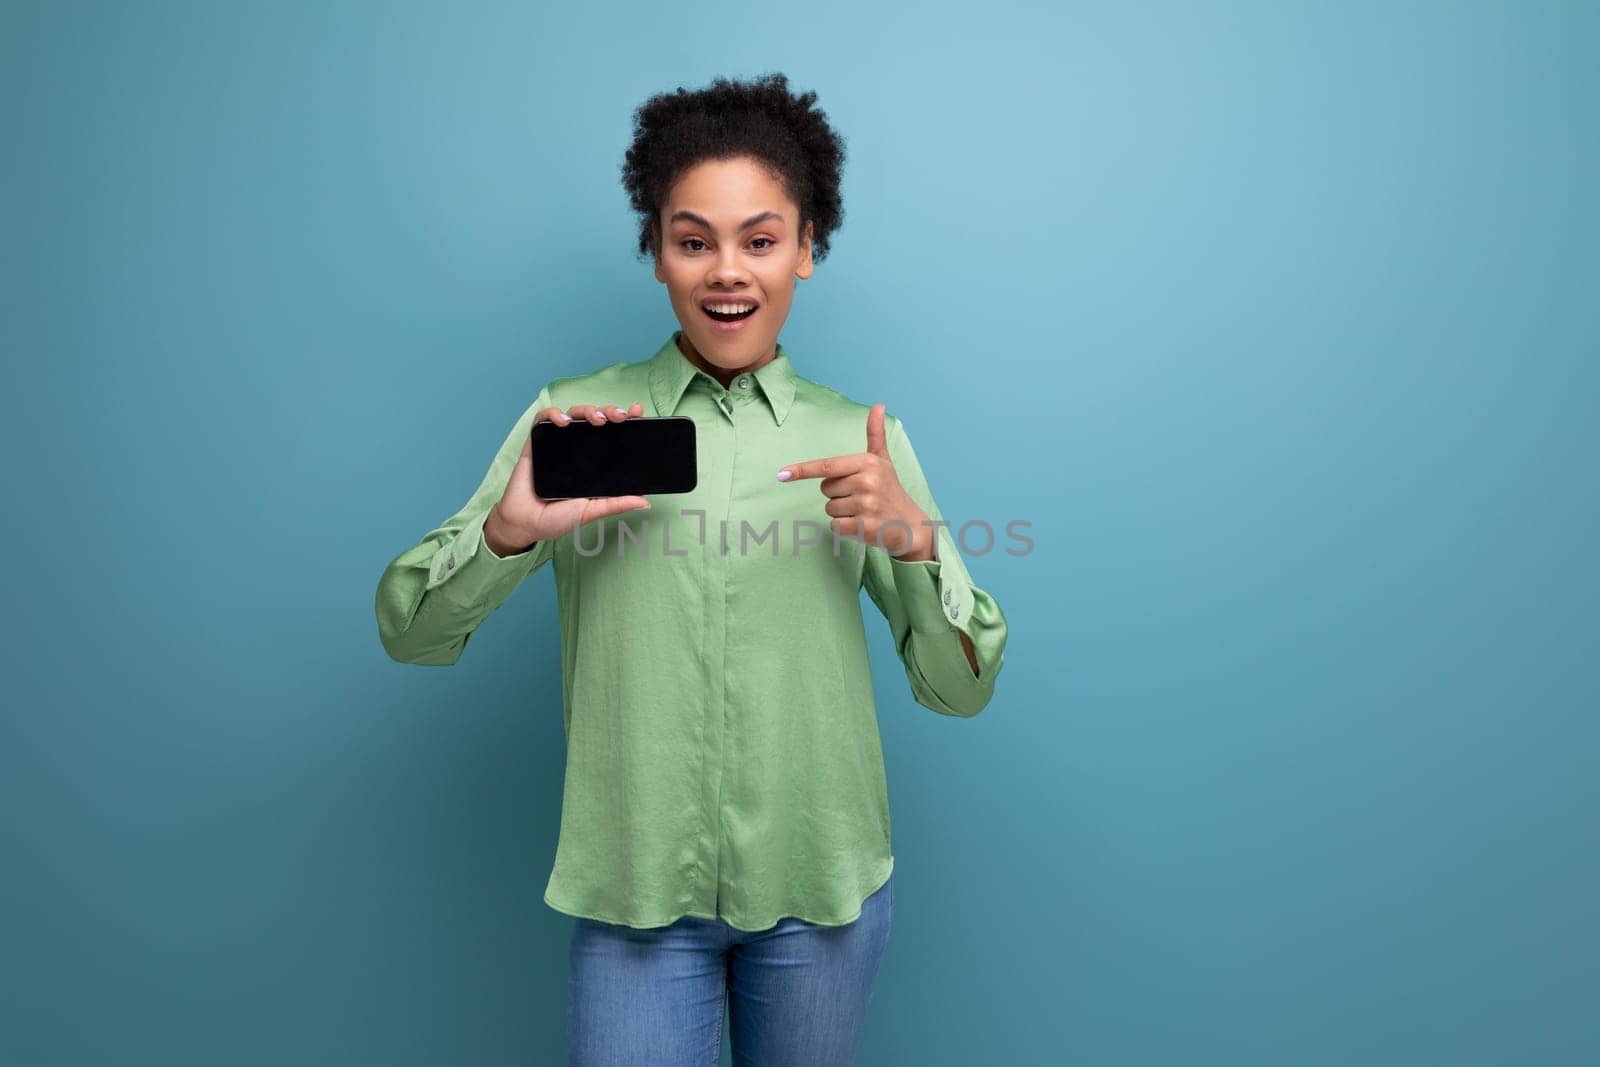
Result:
[{"x": 642, "y": 455}]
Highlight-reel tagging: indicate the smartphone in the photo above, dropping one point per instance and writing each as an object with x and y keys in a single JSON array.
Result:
[{"x": 639, "y": 456}]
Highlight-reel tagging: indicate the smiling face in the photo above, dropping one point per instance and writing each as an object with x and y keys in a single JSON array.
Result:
[{"x": 731, "y": 240}]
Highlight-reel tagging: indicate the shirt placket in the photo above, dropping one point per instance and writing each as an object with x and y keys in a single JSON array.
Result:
[
  {"x": 720, "y": 464},
  {"x": 739, "y": 405}
]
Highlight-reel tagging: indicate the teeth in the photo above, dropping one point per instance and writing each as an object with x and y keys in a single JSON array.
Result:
[{"x": 729, "y": 309}]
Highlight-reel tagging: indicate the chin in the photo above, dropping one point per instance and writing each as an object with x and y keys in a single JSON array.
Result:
[{"x": 728, "y": 352}]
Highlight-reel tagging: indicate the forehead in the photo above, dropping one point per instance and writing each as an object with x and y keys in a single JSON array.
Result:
[{"x": 727, "y": 191}]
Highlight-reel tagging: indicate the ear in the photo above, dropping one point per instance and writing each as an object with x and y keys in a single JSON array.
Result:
[
  {"x": 655, "y": 250},
  {"x": 806, "y": 266}
]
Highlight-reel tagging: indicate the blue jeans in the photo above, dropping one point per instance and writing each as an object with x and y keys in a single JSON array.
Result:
[{"x": 796, "y": 993}]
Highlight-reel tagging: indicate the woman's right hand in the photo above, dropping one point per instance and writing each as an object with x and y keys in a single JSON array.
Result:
[{"x": 522, "y": 519}]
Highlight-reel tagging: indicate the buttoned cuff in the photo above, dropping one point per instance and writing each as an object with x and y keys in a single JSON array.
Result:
[
  {"x": 936, "y": 598},
  {"x": 468, "y": 571}
]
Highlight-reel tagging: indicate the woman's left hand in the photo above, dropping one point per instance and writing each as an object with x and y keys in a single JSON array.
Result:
[{"x": 866, "y": 498}]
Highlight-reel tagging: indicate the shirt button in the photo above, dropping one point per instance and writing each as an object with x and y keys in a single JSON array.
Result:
[
  {"x": 744, "y": 383},
  {"x": 954, "y": 612},
  {"x": 451, "y": 563},
  {"x": 947, "y": 596}
]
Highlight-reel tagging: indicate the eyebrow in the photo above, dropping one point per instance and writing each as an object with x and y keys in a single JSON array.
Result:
[{"x": 689, "y": 216}]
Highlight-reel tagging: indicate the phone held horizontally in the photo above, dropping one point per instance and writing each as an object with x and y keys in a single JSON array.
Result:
[{"x": 639, "y": 456}]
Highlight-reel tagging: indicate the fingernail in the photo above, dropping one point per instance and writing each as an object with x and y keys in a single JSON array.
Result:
[
  {"x": 619, "y": 411},
  {"x": 563, "y": 416},
  {"x": 784, "y": 476}
]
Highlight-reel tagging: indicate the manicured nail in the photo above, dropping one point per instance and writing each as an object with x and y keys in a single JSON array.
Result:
[
  {"x": 784, "y": 476},
  {"x": 619, "y": 411}
]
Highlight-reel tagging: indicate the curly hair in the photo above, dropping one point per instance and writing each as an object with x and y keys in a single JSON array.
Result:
[{"x": 761, "y": 119}]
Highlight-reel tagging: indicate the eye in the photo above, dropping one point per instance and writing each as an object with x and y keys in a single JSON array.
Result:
[
  {"x": 769, "y": 244},
  {"x": 692, "y": 240}
]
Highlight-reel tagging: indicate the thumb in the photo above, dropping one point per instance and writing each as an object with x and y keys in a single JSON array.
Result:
[
  {"x": 606, "y": 506},
  {"x": 523, "y": 470},
  {"x": 876, "y": 441}
]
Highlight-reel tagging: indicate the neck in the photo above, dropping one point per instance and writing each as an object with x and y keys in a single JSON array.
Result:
[{"x": 723, "y": 375}]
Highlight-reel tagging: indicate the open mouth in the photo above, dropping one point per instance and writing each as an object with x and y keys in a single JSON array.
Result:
[{"x": 728, "y": 312}]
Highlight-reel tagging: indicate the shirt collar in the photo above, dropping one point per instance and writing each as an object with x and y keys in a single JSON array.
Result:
[{"x": 671, "y": 372}]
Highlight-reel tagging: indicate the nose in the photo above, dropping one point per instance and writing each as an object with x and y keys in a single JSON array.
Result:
[{"x": 727, "y": 271}]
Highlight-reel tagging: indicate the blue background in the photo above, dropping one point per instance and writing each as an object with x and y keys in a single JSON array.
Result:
[{"x": 1276, "y": 320}]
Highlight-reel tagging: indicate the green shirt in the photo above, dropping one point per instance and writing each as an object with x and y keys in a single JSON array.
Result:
[{"x": 723, "y": 756}]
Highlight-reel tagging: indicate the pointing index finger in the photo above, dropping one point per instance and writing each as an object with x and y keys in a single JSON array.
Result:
[{"x": 831, "y": 467}]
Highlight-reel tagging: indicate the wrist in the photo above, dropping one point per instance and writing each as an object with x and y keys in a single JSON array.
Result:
[
  {"x": 503, "y": 542},
  {"x": 922, "y": 545}
]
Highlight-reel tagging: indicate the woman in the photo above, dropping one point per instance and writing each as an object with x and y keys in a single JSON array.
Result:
[{"x": 725, "y": 819}]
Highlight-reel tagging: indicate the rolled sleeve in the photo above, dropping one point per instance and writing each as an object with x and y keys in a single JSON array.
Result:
[
  {"x": 936, "y": 598},
  {"x": 467, "y": 572},
  {"x": 930, "y": 603}
]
